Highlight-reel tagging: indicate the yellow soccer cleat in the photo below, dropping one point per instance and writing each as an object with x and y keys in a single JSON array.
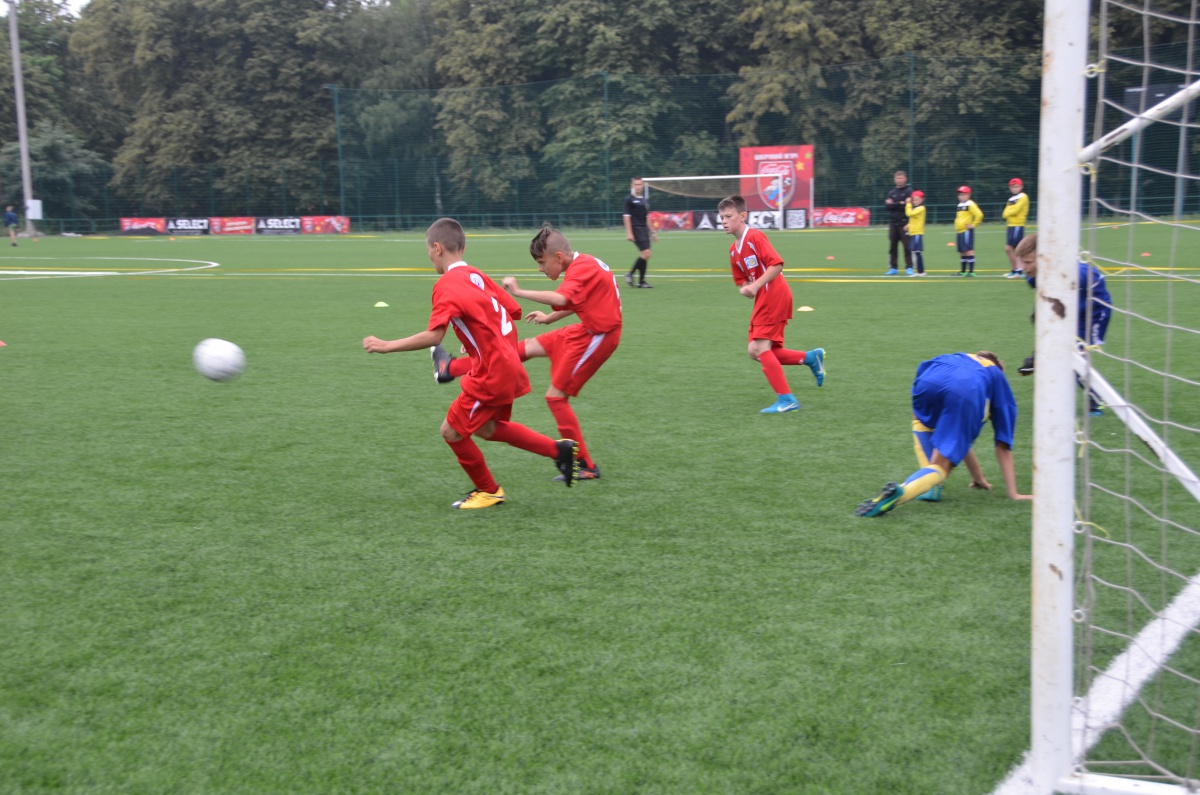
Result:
[{"x": 480, "y": 499}]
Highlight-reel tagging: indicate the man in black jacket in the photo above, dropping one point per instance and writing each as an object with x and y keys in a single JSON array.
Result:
[{"x": 896, "y": 223}]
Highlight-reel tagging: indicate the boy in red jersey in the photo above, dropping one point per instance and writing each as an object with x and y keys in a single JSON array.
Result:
[
  {"x": 470, "y": 301},
  {"x": 758, "y": 273},
  {"x": 589, "y": 290}
]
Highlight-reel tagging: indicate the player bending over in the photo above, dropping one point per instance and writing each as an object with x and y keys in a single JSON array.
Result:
[
  {"x": 758, "y": 273},
  {"x": 952, "y": 397},
  {"x": 466, "y": 298}
]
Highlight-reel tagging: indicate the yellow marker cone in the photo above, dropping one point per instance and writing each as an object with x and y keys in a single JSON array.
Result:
[{"x": 380, "y": 303}]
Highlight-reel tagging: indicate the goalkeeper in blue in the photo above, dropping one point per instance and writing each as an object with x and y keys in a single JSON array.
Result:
[{"x": 952, "y": 397}]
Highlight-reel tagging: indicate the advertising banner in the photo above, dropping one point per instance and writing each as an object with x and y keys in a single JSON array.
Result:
[
  {"x": 842, "y": 216},
  {"x": 144, "y": 225},
  {"x": 281, "y": 225},
  {"x": 707, "y": 220},
  {"x": 241, "y": 225},
  {"x": 187, "y": 226},
  {"x": 324, "y": 224},
  {"x": 667, "y": 222},
  {"x": 794, "y": 163},
  {"x": 795, "y": 219}
]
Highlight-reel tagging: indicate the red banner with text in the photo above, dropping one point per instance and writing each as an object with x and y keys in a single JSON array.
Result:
[
  {"x": 669, "y": 222},
  {"x": 842, "y": 216},
  {"x": 325, "y": 224},
  {"x": 793, "y": 163},
  {"x": 151, "y": 225},
  {"x": 241, "y": 225}
]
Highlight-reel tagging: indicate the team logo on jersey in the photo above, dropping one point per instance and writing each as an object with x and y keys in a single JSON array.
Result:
[
  {"x": 751, "y": 262},
  {"x": 477, "y": 280},
  {"x": 768, "y": 185}
]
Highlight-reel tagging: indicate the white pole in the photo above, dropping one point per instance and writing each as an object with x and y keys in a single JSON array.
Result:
[
  {"x": 1060, "y": 189},
  {"x": 22, "y": 130}
]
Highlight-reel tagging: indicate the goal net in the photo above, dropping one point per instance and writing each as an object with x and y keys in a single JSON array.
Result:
[
  {"x": 1116, "y": 546},
  {"x": 765, "y": 194}
]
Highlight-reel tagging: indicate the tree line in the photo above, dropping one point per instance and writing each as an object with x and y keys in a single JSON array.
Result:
[{"x": 233, "y": 93}]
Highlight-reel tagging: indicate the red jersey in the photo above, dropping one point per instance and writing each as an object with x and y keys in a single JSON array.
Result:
[
  {"x": 591, "y": 292},
  {"x": 749, "y": 259},
  {"x": 480, "y": 313}
]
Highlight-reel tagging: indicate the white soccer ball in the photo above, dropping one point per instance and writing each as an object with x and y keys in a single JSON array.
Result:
[{"x": 219, "y": 360}]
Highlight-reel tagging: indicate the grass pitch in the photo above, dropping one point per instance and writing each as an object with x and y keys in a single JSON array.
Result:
[{"x": 260, "y": 586}]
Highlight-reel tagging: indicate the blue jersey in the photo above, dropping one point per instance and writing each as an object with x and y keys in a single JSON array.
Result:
[
  {"x": 955, "y": 394},
  {"x": 1091, "y": 289},
  {"x": 10, "y": 218}
]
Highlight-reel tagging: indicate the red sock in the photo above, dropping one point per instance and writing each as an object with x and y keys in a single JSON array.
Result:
[
  {"x": 470, "y": 458},
  {"x": 568, "y": 426},
  {"x": 774, "y": 373},
  {"x": 786, "y": 356},
  {"x": 460, "y": 366},
  {"x": 524, "y": 438}
]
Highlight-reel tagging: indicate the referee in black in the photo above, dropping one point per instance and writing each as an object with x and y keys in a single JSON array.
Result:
[
  {"x": 897, "y": 220},
  {"x": 638, "y": 231}
]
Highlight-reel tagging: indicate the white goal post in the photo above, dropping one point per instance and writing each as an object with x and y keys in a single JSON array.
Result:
[{"x": 715, "y": 186}]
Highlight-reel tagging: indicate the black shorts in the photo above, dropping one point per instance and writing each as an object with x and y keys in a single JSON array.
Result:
[{"x": 641, "y": 239}]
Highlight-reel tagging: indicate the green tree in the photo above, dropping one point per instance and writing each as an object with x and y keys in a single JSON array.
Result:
[
  {"x": 67, "y": 177},
  {"x": 240, "y": 83}
]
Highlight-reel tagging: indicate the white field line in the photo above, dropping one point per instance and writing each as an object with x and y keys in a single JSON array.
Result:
[
  {"x": 12, "y": 275},
  {"x": 1115, "y": 689}
]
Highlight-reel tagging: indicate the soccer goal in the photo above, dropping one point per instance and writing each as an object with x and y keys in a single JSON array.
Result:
[
  {"x": 1115, "y": 686},
  {"x": 770, "y": 188}
]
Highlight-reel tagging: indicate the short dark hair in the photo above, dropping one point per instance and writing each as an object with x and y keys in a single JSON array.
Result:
[
  {"x": 548, "y": 239},
  {"x": 736, "y": 202},
  {"x": 448, "y": 232},
  {"x": 898, "y": 173}
]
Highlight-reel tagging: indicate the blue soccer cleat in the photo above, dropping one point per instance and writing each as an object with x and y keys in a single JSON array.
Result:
[
  {"x": 891, "y": 272},
  {"x": 815, "y": 359},
  {"x": 933, "y": 495},
  {"x": 785, "y": 404},
  {"x": 882, "y": 503},
  {"x": 908, "y": 272}
]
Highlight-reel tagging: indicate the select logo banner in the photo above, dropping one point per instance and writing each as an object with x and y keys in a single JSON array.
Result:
[
  {"x": 278, "y": 225},
  {"x": 187, "y": 226}
]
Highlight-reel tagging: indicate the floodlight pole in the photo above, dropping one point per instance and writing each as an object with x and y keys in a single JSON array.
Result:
[{"x": 22, "y": 129}]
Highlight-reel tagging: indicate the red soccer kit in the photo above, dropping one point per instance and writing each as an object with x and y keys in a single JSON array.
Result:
[
  {"x": 577, "y": 351},
  {"x": 467, "y": 300},
  {"x": 749, "y": 259}
]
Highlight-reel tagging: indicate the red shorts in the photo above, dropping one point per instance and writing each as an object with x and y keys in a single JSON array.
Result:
[
  {"x": 768, "y": 331},
  {"x": 576, "y": 354},
  {"x": 467, "y": 415}
]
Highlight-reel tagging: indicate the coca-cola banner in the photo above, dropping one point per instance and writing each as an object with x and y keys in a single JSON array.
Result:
[
  {"x": 793, "y": 163},
  {"x": 289, "y": 225},
  {"x": 144, "y": 225},
  {"x": 324, "y": 224},
  {"x": 187, "y": 226},
  {"x": 842, "y": 216},
  {"x": 666, "y": 222},
  {"x": 241, "y": 225}
]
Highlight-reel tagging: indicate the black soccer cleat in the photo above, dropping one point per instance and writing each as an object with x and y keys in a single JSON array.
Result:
[
  {"x": 441, "y": 364},
  {"x": 585, "y": 473},
  {"x": 1026, "y": 367},
  {"x": 567, "y": 460}
]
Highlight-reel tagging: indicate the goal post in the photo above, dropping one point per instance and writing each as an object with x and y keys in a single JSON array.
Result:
[{"x": 719, "y": 186}]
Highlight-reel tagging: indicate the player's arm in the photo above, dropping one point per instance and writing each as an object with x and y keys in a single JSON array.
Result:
[
  {"x": 545, "y": 319},
  {"x": 422, "y": 340},
  {"x": 628, "y": 227},
  {"x": 751, "y": 289},
  {"x": 548, "y": 297},
  {"x": 976, "y": 215},
  {"x": 1009, "y": 210},
  {"x": 1008, "y": 471},
  {"x": 978, "y": 481}
]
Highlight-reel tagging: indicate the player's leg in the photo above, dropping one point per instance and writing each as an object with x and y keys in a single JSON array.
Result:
[
  {"x": 814, "y": 359},
  {"x": 923, "y": 447},
  {"x": 487, "y": 492},
  {"x": 760, "y": 350},
  {"x": 575, "y": 356},
  {"x": 894, "y": 233},
  {"x": 916, "y": 246},
  {"x": 500, "y": 428},
  {"x": 908, "y": 258},
  {"x": 644, "y": 258},
  {"x": 970, "y": 233}
]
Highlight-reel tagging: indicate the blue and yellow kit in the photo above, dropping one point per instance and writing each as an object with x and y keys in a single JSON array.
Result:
[
  {"x": 916, "y": 219},
  {"x": 955, "y": 394},
  {"x": 968, "y": 213},
  {"x": 1017, "y": 209}
]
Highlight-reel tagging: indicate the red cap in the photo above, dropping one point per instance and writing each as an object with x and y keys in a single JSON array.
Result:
[
  {"x": 1016, "y": 181},
  {"x": 918, "y": 194},
  {"x": 964, "y": 189}
]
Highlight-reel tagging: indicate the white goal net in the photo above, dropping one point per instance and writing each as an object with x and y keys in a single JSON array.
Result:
[
  {"x": 765, "y": 194},
  {"x": 1116, "y": 664}
]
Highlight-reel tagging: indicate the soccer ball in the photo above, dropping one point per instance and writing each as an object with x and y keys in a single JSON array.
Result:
[{"x": 219, "y": 360}]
